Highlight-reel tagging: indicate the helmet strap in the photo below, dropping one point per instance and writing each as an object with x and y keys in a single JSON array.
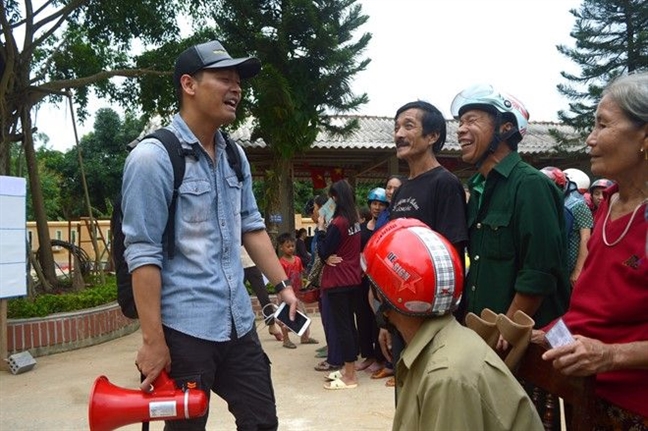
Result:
[
  {"x": 494, "y": 143},
  {"x": 497, "y": 139}
]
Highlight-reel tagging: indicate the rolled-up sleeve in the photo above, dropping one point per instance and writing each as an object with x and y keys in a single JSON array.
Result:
[
  {"x": 251, "y": 219},
  {"x": 147, "y": 189}
]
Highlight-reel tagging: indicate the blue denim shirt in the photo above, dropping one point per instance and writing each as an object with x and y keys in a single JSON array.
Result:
[{"x": 202, "y": 286}]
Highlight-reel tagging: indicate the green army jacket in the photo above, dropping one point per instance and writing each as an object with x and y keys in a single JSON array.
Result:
[{"x": 517, "y": 240}]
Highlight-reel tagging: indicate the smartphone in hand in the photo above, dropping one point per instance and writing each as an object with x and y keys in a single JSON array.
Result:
[{"x": 299, "y": 325}]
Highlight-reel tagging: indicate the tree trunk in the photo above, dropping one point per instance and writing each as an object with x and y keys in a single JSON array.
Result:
[
  {"x": 45, "y": 256},
  {"x": 279, "y": 213}
]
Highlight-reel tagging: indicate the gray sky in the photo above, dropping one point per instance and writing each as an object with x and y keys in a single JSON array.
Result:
[{"x": 431, "y": 50}]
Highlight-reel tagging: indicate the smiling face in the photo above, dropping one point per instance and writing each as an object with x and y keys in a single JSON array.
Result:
[
  {"x": 474, "y": 134},
  {"x": 616, "y": 142},
  {"x": 213, "y": 93},
  {"x": 409, "y": 138}
]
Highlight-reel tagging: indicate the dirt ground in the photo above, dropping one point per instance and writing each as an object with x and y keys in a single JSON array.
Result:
[{"x": 54, "y": 394}]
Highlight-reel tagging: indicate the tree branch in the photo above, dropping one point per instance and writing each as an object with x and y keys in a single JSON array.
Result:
[
  {"x": 60, "y": 15},
  {"x": 38, "y": 93}
]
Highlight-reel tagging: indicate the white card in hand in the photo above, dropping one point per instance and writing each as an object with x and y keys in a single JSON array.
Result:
[{"x": 559, "y": 335}]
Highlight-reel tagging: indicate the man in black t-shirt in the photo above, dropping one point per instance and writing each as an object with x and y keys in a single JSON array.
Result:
[{"x": 431, "y": 193}]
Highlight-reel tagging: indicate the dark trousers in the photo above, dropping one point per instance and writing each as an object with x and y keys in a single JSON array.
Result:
[
  {"x": 342, "y": 300},
  {"x": 366, "y": 321},
  {"x": 334, "y": 355},
  {"x": 238, "y": 371}
]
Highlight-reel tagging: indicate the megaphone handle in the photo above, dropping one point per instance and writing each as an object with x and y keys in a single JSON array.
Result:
[{"x": 145, "y": 425}]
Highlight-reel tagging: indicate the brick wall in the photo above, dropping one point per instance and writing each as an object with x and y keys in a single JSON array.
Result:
[{"x": 69, "y": 331}]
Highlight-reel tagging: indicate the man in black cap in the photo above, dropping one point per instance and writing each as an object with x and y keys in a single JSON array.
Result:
[{"x": 195, "y": 313}]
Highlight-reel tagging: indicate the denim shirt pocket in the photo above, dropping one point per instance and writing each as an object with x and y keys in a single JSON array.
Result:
[
  {"x": 234, "y": 187},
  {"x": 194, "y": 203},
  {"x": 498, "y": 236}
]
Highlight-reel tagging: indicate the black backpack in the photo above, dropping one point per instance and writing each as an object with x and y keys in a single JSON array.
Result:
[{"x": 177, "y": 154}]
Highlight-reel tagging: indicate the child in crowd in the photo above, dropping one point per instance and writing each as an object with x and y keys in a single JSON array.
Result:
[{"x": 294, "y": 268}]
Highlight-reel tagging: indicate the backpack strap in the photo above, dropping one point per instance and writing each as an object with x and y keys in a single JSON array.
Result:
[
  {"x": 233, "y": 156},
  {"x": 177, "y": 156}
]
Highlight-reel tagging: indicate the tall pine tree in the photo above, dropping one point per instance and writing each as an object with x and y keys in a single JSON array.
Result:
[
  {"x": 611, "y": 40},
  {"x": 310, "y": 55}
]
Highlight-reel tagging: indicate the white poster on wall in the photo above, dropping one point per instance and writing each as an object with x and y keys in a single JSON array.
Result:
[{"x": 13, "y": 231}]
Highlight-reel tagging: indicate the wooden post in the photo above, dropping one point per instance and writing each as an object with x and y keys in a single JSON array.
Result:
[{"x": 4, "y": 351}]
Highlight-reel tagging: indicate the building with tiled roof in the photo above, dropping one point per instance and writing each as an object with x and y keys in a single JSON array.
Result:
[{"x": 368, "y": 153}]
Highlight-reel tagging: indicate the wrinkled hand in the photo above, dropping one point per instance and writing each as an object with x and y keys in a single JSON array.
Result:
[
  {"x": 152, "y": 358},
  {"x": 584, "y": 357},
  {"x": 538, "y": 337},
  {"x": 333, "y": 260},
  {"x": 385, "y": 341}
]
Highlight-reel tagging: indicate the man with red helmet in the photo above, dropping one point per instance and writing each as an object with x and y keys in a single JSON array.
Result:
[
  {"x": 417, "y": 276},
  {"x": 517, "y": 240}
]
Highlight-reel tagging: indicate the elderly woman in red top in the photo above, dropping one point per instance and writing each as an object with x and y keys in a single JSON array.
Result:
[{"x": 608, "y": 313}]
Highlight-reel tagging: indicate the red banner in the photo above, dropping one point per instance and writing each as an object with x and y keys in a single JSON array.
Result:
[
  {"x": 337, "y": 174},
  {"x": 317, "y": 176}
]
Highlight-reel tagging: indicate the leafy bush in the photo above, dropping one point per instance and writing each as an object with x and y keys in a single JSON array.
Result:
[{"x": 43, "y": 305}]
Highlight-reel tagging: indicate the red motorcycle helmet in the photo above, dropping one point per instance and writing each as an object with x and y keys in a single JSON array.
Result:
[
  {"x": 415, "y": 270},
  {"x": 556, "y": 175}
]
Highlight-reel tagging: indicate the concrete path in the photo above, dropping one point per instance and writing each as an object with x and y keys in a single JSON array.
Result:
[{"x": 54, "y": 395}]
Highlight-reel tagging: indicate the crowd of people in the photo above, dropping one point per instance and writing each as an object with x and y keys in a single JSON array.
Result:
[{"x": 394, "y": 287}]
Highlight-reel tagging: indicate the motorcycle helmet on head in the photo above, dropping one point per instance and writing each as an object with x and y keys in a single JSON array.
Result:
[
  {"x": 555, "y": 175},
  {"x": 579, "y": 177},
  {"x": 504, "y": 106},
  {"x": 415, "y": 270},
  {"x": 377, "y": 194},
  {"x": 601, "y": 182}
]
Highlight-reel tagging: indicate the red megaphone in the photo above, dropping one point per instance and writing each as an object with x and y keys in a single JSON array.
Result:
[{"x": 111, "y": 407}]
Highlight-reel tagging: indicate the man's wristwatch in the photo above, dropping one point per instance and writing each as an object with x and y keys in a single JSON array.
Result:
[{"x": 282, "y": 285}]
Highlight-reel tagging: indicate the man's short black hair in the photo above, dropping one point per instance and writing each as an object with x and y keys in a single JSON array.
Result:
[{"x": 432, "y": 121}]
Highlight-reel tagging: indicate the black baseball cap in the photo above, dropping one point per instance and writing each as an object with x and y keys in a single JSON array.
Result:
[{"x": 212, "y": 55}]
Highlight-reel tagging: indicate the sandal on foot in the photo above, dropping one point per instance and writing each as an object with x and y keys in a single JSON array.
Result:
[
  {"x": 309, "y": 341},
  {"x": 376, "y": 366},
  {"x": 321, "y": 355},
  {"x": 335, "y": 375},
  {"x": 390, "y": 383},
  {"x": 289, "y": 344},
  {"x": 325, "y": 366},
  {"x": 385, "y": 372},
  {"x": 339, "y": 384},
  {"x": 322, "y": 349}
]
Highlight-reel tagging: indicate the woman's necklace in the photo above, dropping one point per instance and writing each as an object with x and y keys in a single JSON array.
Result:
[{"x": 627, "y": 228}]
